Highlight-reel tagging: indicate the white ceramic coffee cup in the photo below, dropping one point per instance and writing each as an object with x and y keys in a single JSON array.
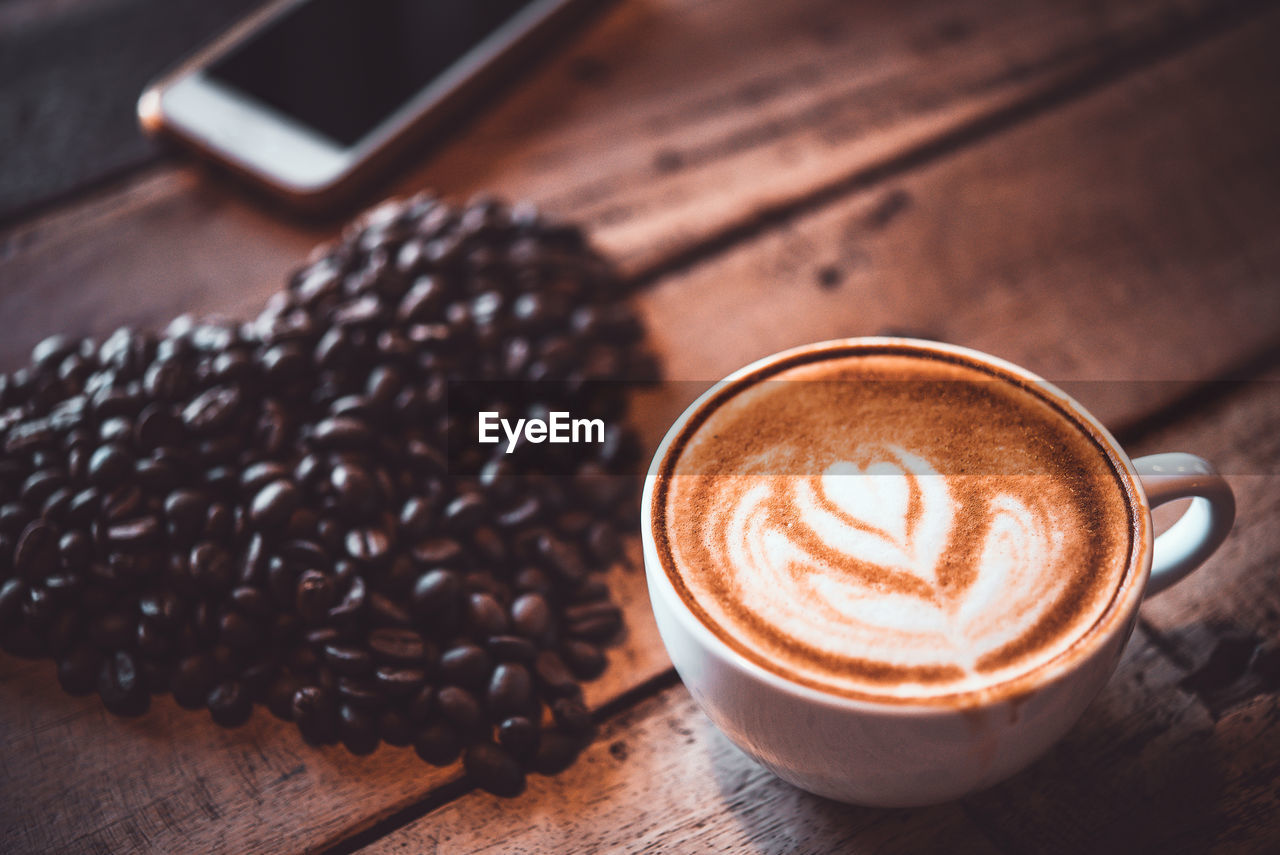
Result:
[{"x": 896, "y": 754}]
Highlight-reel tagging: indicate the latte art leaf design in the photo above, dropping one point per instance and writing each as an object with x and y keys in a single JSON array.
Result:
[{"x": 885, "y": 560}]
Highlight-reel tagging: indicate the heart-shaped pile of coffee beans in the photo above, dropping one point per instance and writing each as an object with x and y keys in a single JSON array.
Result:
[{"x": 273, "y": 513}]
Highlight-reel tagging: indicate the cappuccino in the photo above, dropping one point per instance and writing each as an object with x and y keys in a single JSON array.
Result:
[{"x": 892, "y": 522}]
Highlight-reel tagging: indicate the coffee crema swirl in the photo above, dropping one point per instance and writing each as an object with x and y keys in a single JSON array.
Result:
[{"x": 892, "y": 526}]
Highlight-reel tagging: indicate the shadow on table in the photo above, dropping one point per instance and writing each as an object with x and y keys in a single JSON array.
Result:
[{"x": 1124, "y": 779}]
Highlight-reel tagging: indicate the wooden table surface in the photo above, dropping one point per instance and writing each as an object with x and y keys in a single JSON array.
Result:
[{"x": 1088, "y": 189}]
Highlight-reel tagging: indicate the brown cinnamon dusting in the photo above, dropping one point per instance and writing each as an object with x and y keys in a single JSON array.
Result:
[{"x": 991, "y": 432}]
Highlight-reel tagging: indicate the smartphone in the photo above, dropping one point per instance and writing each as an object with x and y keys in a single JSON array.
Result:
[{"x": 309, "y": 98}]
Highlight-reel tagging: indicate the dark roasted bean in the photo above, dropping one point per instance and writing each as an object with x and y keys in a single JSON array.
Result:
[
  {"x": 435, "y": 593},
  {"x": 398, "y": 645},
  {"x": 192, "y": 679},
  {"x": 586, "y": 660},
  {"x": 121, "y": 686},
  {"x": 519, "y": 735},
  {"x": 348, "y": 660},
  {"x": 358, "y": 730},
  {"x": 78, "y": 669},
  {"x": 458, "y": 707},
  {"x": 531, "y": 616},
  {"x": 511, "y": 648},
  {"x": 229, "y": 704},
  {"x": 395, "y": 728},
  {"x": 315, "y": 712},
  {"x": 493, "y": 769},
  {"x": 485, "y": 615},
  {"x": 572, "y": 716},
  {"x": 556, "y": 750},
  {"x": 36, "y": 555},
  {"x": 212, "y": 410},
  {"x": 465, "y": 665},
  {"x": 399, "y": 682},
  {"x": 273, "y": 505},
  {"x": 211, "y": 567},
  {"x": 510, "y": 689},
  {"x": 553, "y": 675},
  {"x": 314, "y": 596},
  {"x": 438, "y": 744}
]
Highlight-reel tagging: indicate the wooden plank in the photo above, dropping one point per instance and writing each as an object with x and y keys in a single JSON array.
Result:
[
  {"x": 172, "y": 781},
  {"x": 661, "y": 778},
  {"x": 1190, "y": 763},
  {"x": 1155, "y": 764},
  {"x": 1126, "y": 245},
  {"x": 724, "y": 313},
  {"x": 667, "y": 122}
]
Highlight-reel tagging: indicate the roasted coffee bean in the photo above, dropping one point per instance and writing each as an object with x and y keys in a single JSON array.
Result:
[
  {"x": 398, "y": 645},
  {"x": 586, "y": 660},
  {"x": 572, "y": 716},
  {"x": 267, "y": 512},
  {"x": 121, "y": 686},
  {"x": 112, "y": 631},
  {"x": 192, "y": 679},
  {"x": 553, "y": 675},
  {"x": 395, "y": 728},
  {"x": 354, "y": 490},
  {"x": 348, "y": 660},
  {"x": 273, "y": 505},
  {"x": 185, "y": 512},
  {"x": 439, "y": 744},
  {"x": 78, "y": 669},
  {"x": 556, "y": 750},
  {"x": 211, "y": 567},
  {"x": 458, "y": 707},
  {"x": 367, "y": 545},
  {"x": 342, "y": 434},
  {"x": 314, "y": 596},
  {"x": 384, "y": 612},
  {"x": 238, "y": 632},
  {"x": 399, "y": 682},
  {"x": 465, "y": 665},
  {"x": 279, "y": 698},
  {"x": 358, "y": 730},
  {"x": 519, "y": 736},
  {"x": 597, "y": 621},
  {"x": 510, "y": 689},
  {"x": 531, "y": 616},
  {"x": 135, "y": 534},
  {"x": 438, "y": 552},
  {"x": 511, "y": 648},
  {"x": 361, "y": 692},
  {"x": 316, "y": 714},
  {"x": 229, "y": 704},
  {"x": 436, "y": 593},
  {"x": 485, "y": 616},
  {"x": 212, "y": 410},
  {"x": 493, "y": 769},
  {"x": 109, "y": 465},
  {"x": 37, "y": 553}
]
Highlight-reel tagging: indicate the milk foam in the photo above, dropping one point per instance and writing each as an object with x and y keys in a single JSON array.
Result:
[{"x": 886, "y": 557}]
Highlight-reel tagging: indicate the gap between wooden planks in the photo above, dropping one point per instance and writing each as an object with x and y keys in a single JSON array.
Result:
[
  {"x": 669, "y": 123},
  {"x": 189, "y": 773}
]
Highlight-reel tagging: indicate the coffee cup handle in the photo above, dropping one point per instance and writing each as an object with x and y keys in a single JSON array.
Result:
[{"x": 1201, "y": 528}]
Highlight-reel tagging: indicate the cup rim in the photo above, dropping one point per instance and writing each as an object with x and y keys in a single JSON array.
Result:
[{"x": 1114, "y": 618}]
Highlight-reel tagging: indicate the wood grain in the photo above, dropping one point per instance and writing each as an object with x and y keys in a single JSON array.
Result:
[
  {"x": 661, "y": 778},
  {"x": 171, "y": 781},
  {"x": 665, "y": 124},
  {"x": 1087, "y": 245}
]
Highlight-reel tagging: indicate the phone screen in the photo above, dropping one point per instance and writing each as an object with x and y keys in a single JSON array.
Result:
[{"x": 342, "y": 67}]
